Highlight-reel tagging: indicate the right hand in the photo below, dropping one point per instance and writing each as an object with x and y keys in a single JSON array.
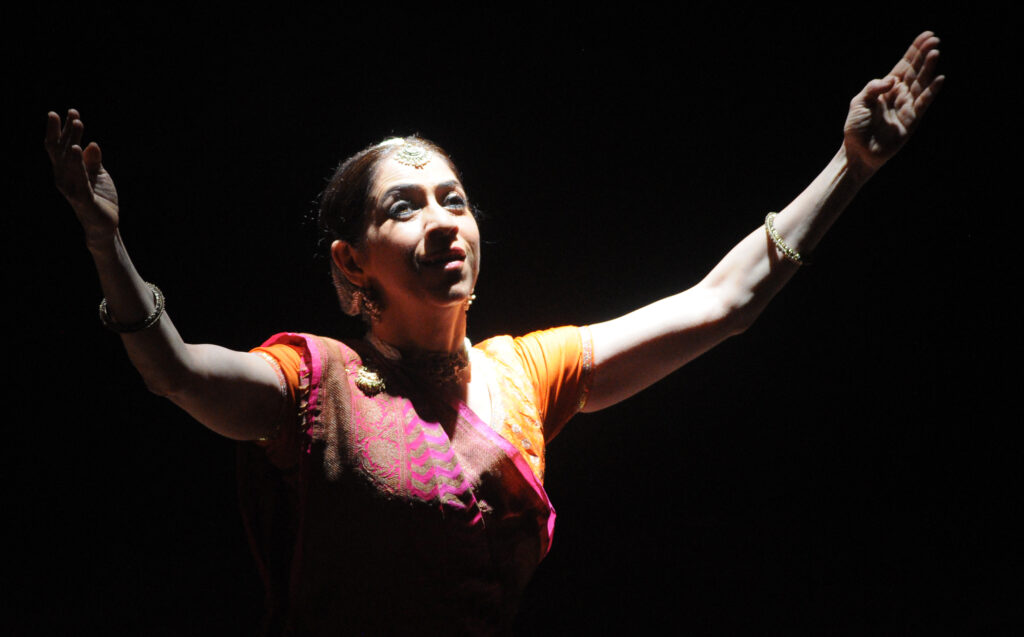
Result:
[
  {"x": 79, "y": 176},
  {"x": 884, "y": 115}
]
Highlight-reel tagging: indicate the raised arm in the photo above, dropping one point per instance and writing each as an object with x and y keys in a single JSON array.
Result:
[
  {"x": 636, "y": 350},
  {"x": 233, "y": 393}
]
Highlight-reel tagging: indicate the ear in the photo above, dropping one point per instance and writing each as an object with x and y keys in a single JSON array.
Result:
[{"x": 347, "y": 258}]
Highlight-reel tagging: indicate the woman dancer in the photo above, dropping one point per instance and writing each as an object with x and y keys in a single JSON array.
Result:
[{"x": 395, "y": 483}]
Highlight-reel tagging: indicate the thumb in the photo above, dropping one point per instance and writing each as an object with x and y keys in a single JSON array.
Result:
[
  {"x": 875, "y": 88},
  {"x": 92, "y": 156}
]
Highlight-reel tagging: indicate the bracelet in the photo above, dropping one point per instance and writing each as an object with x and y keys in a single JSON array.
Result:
[
  {"x": 776, "y": 238},
  {"x": 144, "y": 324}
]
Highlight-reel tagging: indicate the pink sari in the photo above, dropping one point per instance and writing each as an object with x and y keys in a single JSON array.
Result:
[{"x": 389, "y": 513}]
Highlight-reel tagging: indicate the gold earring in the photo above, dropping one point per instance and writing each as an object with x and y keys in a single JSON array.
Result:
[{"x": 367, "y": 306}]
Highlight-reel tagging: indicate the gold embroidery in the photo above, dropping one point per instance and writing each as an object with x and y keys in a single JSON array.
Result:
[
  {"x": 517, "y": 419},
  {"x": 588, "y": 366},
  {"x": 380, "y": 441},
  {"x": 282, "y": 386}
]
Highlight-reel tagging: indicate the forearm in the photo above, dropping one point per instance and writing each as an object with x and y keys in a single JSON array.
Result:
[
  {"x": 754, "y": 271},
  {"x": 636, "y": 350},
  {"x": 158, "y": 353},
  {"x": 233, "y": 393},
  {"x": 236, "y": 394}
]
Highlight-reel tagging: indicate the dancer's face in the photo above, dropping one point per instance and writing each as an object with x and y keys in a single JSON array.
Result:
[{"x": 422, "y": 243}]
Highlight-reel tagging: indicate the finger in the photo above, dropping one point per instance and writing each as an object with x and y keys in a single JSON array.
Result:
[
  {"x": 875, "y": 88},
  {"x": 75, "y": 136},
  {"x": 52, "y": 134},
  {"x": 925, "y": 99},
  {"x": 923, "y": 52},
  {"x": 93, "y": 158},
  {"x": 919, "y": 43},
  {"x": 52, "y": 127},
  {"x": 72, "y": 116},
  {"x": 70, "y": 178},
  {"x": 907, "y": 62},
  {"x": 900, "y": 98},
  {"x": 924, "y": 79},
  {"x": 67, "y": 135},
  {"x": 73, "y": 129},
  {"x": 922, "y": 44},
  {"x": 912, "y": 113}
]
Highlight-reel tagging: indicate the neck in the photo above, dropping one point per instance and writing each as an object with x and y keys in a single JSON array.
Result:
[{"x": 441, "y": 331}]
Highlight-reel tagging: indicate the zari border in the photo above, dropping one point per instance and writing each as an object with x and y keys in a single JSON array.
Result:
[
  {"x": 309, "y": 409},
  {"x": 587, "y": 354},
  {"x": 282, "y": 387},
  {"x": 517, "y": 459}
]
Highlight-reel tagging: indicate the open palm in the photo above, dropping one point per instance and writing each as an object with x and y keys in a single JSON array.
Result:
[
  {"x": 884, "y": 115},
  {"x": 80, "y": 176}
]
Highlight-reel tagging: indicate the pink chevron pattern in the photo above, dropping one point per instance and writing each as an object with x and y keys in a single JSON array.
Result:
[
  {"x": 434, "y": 469},
  {"x": 406, "y": 455}
]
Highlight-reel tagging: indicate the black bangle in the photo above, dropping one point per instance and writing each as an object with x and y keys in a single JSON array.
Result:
[{"x": 144, "y": 324}]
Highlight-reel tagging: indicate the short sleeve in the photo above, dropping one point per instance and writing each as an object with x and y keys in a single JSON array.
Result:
[
  {"x": 559, "y": 362},
  {"x": 288, "y": 359}
]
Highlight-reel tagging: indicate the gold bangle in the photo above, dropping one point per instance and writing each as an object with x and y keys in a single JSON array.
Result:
[
  {"x": 776, "y": 238},
  {"x": 144, "y": 324}
]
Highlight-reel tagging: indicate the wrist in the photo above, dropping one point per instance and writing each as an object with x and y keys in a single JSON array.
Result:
[
  {"x": 102, "y": 243},
  {"x": 855, "y": 168}
]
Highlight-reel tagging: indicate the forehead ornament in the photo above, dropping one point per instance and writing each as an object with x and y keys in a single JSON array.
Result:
[{"x": 415, "y": 155}]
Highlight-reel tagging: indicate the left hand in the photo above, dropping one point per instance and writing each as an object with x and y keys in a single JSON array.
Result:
[
  {"x": 80, "y": 176},
  {"x": 884, "y": 115}
]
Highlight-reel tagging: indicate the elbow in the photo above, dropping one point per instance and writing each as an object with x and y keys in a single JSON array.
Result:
[
  {"x": 161, "y": 384},
  {"x": 739, "y": 320},
  {"x": 169, "y": 379}
]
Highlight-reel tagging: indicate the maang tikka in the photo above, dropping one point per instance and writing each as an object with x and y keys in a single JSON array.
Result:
[{"x": 412, "y": 154}]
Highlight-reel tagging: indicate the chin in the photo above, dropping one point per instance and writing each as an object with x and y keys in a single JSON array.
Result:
[{"x": 457, "y": 296}]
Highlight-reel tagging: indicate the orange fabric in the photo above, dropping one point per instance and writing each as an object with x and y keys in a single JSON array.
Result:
[
  {"x": 542, "y": 380},
  {"x": 558, "y": 364},
  {"x": 288, "y": 359}
]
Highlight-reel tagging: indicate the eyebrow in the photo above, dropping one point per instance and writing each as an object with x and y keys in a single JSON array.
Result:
[{"x": 394, "y": 190}]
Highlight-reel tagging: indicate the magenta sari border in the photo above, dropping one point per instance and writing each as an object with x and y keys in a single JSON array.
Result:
[
  {"x": 315, "y": 364},
  {"x": 517, "y": 460}
]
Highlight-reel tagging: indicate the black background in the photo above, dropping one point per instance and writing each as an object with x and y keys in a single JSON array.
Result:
[{"x": 841, "y": 468}]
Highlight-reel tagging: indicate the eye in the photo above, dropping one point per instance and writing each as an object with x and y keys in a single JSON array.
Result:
[
  {"x": 401, "y": 210},
  {"x": 454, "y": 200}
]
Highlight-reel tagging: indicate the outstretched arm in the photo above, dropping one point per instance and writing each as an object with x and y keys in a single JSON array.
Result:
[
  {"x": 233, "y": 393},
  {"x": 636, "y": 350}
]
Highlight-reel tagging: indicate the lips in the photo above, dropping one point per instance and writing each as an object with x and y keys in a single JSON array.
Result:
[{"x": 447, "y": 257}]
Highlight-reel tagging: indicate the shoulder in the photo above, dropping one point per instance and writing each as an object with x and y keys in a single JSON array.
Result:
[
  {"x": 540, "y": 342},
  {"x": 304, "y": 359},
  {"x": 542, "y": 358},
  {"x": 312, "y": 369},
  {"x": 310, "y": 346}
]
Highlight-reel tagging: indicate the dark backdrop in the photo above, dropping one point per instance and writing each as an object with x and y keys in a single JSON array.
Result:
[{"x": 838, "y": 469}]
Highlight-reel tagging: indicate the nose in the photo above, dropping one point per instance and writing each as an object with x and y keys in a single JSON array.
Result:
[{"x": 439, "y": 220}]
